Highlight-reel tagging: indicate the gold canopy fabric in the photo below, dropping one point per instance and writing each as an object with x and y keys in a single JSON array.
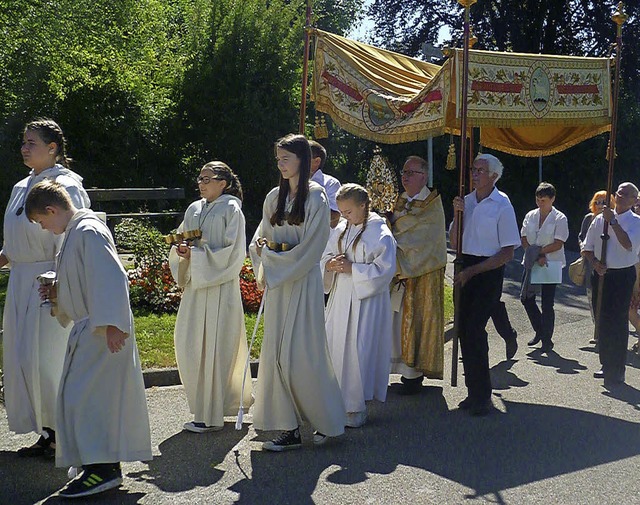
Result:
[{"x": 524, "y": 104}]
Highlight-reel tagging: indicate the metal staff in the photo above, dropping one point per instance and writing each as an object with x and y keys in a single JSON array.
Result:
[
  {"x": 619, "y": 17},
  {"x": 461, "y": 185},
  {"x": 305, "y": 68},
  {"x": 246, "y": 365}
]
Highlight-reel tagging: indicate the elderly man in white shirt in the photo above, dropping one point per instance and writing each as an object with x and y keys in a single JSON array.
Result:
[
  {"x": 489, "y": 236},
  {"x": 617, "y": 273},
  {"x": 330, "y": 184}
]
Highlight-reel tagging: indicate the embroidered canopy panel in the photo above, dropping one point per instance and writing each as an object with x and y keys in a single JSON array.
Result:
[{"x": 524, "y": 104}]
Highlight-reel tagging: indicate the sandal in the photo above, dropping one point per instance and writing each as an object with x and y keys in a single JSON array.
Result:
[{"x": 43, "y": 447}]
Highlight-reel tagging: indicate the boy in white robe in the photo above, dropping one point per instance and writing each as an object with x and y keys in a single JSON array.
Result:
[{"x": 102, "y": 414}]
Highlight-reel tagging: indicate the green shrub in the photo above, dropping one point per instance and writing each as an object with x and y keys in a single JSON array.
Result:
[{"x": 151, "y": 284}]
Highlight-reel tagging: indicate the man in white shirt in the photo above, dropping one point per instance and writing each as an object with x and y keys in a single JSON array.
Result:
[
  {"x": 489, "y": 236},
  {"x": 617, "y": 273},
  {"x": 330, "y": 184}
]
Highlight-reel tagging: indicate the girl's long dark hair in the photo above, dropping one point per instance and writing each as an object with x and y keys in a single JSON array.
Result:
[{"x": 298, "y": 145}]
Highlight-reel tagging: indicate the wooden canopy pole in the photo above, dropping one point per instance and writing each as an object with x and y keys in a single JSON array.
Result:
[
  {"x": 461, "y": 182},
  {"x": 305, "y": 68},
  {"x": 619, "y": 17}
]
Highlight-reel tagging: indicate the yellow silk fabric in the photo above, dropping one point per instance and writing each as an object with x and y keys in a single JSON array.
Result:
[
  {"x": 524, "y": 104},
  {"x": 421, "y": 257},
  {"x": 423, "y": 324}
]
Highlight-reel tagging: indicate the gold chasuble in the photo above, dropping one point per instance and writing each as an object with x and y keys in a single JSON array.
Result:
[{"x": 419, "y": 228}]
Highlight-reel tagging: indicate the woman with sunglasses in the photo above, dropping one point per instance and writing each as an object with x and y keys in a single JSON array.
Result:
[
  {"x": 210, "y": 338},
  {"x": 596, "y": 205}
]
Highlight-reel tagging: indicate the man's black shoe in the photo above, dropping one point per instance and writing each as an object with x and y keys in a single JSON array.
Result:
[{"x": 511, "y": 346}]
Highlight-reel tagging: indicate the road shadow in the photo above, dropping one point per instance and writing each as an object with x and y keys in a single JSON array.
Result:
[
  {"x": 554, "y": 360},
  {"x": 527, "y": 443},
  {"x": 187, "y": 460},
  {"x": 502, "y": 378},
  {"x": 28, "y": 480}
]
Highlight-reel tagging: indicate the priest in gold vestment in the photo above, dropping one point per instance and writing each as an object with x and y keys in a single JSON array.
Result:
[{"x": 417, "y": 293}]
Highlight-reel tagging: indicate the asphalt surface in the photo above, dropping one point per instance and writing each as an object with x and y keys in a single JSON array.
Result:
[{"x": 556, "y": 435}]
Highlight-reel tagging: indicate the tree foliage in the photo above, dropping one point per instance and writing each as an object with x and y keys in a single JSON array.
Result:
[{"x": 149, "y": 90}]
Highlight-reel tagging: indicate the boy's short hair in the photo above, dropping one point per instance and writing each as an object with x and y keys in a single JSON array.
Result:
[
  {"x": 545, "y": 189},
  {"x": 318, "y": 151},
  {"x": 46, "y": 194}
]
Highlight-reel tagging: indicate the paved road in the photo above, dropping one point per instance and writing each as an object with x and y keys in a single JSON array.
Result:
[{"x": 556, "y": 436}]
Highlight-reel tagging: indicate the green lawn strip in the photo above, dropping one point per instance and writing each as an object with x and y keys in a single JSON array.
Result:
[{"x": 154, "y": 332}]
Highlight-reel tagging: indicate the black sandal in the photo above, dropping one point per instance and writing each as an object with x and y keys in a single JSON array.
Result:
[{"x": 41, "y": 448}]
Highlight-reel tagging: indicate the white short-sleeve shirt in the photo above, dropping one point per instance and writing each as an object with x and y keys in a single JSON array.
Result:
[
  {"x": 555, "y": 227},
  {"x": 331, "y": 186},
  {"x": 617, "y": 256},
  {"x": 489, "y": 225}
]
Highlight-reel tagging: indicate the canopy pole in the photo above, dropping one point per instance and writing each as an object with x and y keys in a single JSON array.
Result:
[
  {"x": 430, "y": 161},
  {"x": 305, "y": 69},
  {"x": 619, "y": 17},
  {"x": 539, "y": 169},
  {"x": 461, "y": 183}
]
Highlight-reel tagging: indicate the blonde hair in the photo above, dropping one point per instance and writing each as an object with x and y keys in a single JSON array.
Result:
[
  {"x": 45, "y": 194},
  {"x": 600, "y": 195},
  {"x": 360, "y": 196}
]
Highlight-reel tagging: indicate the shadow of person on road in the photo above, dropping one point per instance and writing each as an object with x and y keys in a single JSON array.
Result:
[
  {"x": 28, "y": 480},
  {"x": 553, "y": 359},
  {"x": 624, "y": 393},
  {"x": 528, "y": 443},
  {"x": 502, "y": 378},
  {"x": 187, "y": 460}
]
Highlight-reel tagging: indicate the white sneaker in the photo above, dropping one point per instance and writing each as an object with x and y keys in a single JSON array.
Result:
[
  {"x": 319, "y": 438},
  {"x": 356, "y": 419},
  {"x": 195, "y": 427}
]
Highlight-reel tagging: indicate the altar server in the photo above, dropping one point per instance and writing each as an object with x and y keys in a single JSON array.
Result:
[
  {"x": 359, "y": 263},
  {"x": 102, "y": 414},
  {"x": 33, "y": 342},
  {"x": 210, "y": 338},
  {"x": 296, "y": 381}
]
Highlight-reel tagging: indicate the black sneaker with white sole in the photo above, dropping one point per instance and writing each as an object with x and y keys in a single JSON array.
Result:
[
  {"x": 94, "y": 479},
  {"x": 286, "y": 441}
]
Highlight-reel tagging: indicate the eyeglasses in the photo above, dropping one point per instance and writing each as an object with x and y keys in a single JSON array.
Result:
[
  {"x": 479, "y": 170},
  {"x": 410, "y": 173},
  {"x": 207, "y": 179}
]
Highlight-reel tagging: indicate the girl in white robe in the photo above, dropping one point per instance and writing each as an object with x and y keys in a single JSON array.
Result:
[
  {"x": 33, "y": 342},
  {"x": 210, "y": 339},
  {"x": 296, "y": 381},
  {"x": 359, "y": 263},
  {"x": 102, "y": 416}
]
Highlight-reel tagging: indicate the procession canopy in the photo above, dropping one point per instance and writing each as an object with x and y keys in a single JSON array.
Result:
[{"x": 524, "y": 104}]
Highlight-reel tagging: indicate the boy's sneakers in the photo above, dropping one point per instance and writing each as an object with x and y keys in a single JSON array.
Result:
[
  {"x": 285, "y": 442},
  {"x": 195, "y": 427},
  {"x": 93, "y": 479}
]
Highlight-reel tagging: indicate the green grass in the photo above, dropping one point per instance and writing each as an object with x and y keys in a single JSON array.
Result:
[{"x": 154, "y": 332}]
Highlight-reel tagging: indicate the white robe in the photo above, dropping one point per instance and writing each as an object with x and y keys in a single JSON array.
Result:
[
  {"x": 102, "y": 410},
  {"x": 33, "y": 342},
  {"x": 296, "y": 381},
  {"x": 358, "y": 315},
  {"x": 210, "y": 339}
]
